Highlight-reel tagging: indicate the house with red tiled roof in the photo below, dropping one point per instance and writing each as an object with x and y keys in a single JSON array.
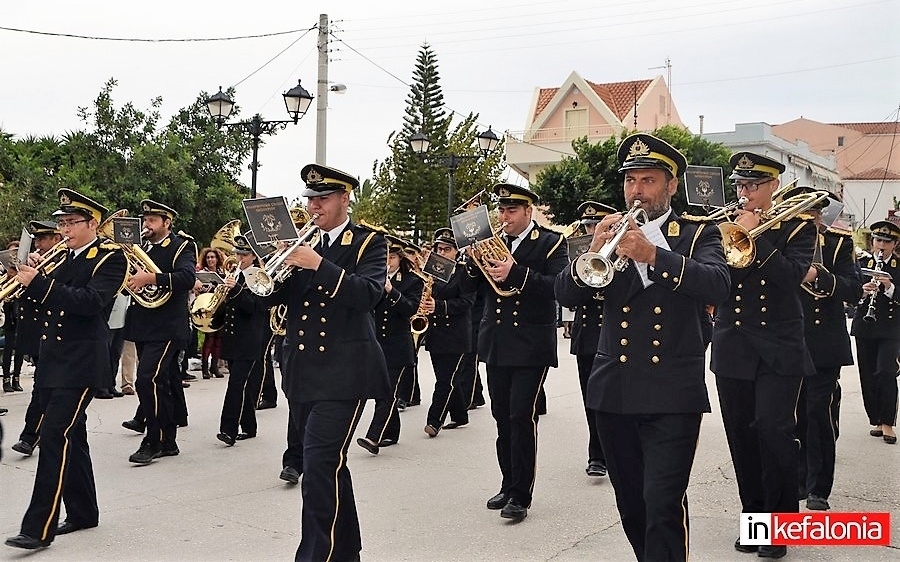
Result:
[
  {"x": 579, "y": 108},
  {"x": 868, "y": 161}
]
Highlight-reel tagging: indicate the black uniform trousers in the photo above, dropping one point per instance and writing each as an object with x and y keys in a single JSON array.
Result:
[
  {"x": 470, "y": 379},
  {"x": 241, "y": 397},
  {"x": 817, "y": 431},
  {"x": 330, "y": 526},
  {"x": 116, "y": 345},
  {"x": 64, "y": 470},
  {"x": 293, "y": 455},
  {"x": 157, "y": 360},
  {"x": 649, "y": 457},
  {"x": 585, "y": 362},
  {"x": 514, "y": 395},
  {"x": 447, "y": 396},
  {"x": 268, "y": 390},
  {"x": 34, "y": 416},
  {"x": 385, "y": 424},
  {"x": 760, "y": 433},
  {"x": 877, "y": 362},
  {"x": 408, "y": 390}
]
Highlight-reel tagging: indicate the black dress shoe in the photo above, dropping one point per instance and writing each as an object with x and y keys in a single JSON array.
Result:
[
  {"x": 498, "y": 502},
  {"x": 876, "y": 432},
  {"x": 431, "y": 430},
  {"x": 265, "y": 405},
  {"x": 145, "y": 454},
  {"x": 225, "y": 438},
  {"x": 242, "y": 436},
  {"x": 596, "y": 468},
  {"x": 387, "y": 442},
  {"x": 744, "y": 547},
  {"x": 368, "y": 445},
  {"x": 3, "y": 411},
  {"x": 817, "y": 503},
  {"x": 134, "y": 425},
  {"x": 890, "y": 439},
  {"x": 67, "y": 527},
  {"x": 290, "y": 475},
  {"x": 771, "y": 551},
  {"x": 103, "y": 395},
  {"x": 454, "y": 425},
  {"x": 169, "y": 450},
  {"x": 23, "y": 447},
  {"x": 26, "y": 542},
  {"x": 513, "y": 510},
  {"x": 116, "y": 394}
]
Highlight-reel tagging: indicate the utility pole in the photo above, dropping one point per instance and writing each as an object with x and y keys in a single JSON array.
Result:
[
  {"x": 668, "y": 67},
  {"x": 322, "y": 91}
]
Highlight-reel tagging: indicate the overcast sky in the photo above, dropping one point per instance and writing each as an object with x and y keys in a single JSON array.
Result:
[{"x": 733, "y": 62}]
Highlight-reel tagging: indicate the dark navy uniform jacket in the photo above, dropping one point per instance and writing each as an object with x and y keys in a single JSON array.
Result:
[
  {"x": 176, "y": 257},
  {"x": 245, "y": 330},
  {"x": 520, "y": 330},
  {"x": 75, "y": 302},
  {"x": 823, "y": 303},
  {"x": 450, "y": 325},
  {"x": 392, "y": 316},
  {"x": 761, "y": 323},
  {"x": 887, "y": 310},
  {"x": 330, "y": 350},
  {"x": 28, "y": 326},
  {"x": 651, "y": 355},
  {"x": 585, "y": 329}
]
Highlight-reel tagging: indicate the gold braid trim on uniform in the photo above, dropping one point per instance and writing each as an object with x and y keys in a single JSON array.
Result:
[
  {"x": 680, "y": 275},
  {"x": 338, "y": 286},
  {"x": 342, "y": 462},
  {"x": 796, "y": 230},
  {"x": 47, "y": 294},
  {"x": 103, "y": 259},
  {"x": 364, "y": 244},
  {"x": 555, "y": 246}
]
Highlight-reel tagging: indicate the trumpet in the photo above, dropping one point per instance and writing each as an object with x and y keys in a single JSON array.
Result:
[
  {"x": 493, "y": 249},
  {"x": 596, "y": 269},
  {"x": 738, "y": 242},
  {"x": 12, "y": 288},
  {"x": 263, "y": 282}
]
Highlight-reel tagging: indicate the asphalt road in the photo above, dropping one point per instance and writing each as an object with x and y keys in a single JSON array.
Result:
[{"x": 422, "y": 500}]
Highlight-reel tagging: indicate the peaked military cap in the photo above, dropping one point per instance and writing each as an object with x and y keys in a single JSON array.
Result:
[
  {"x": 72, "y": 202},
  {"x": 43, "y": 227},
  {"x": 641, "y": 151},
  {"x": 151, "y": 207},
  {"x": 395, "y": 244},
  {"x": 444, "y": 236},
  {"x": 242, "y": 245},
  {"x": 510, "y": 194},
  {"x": 322, "y": 180},
  {"x": 801, "y": 189},
  {"x": 747, "y": 165},
  {"x": 885, "y": 230},
  {"x": 593, "y": 211}
]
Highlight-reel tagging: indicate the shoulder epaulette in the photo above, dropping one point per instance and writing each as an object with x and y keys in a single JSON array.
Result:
[
  {"x": 185, "y": 235},
  {"x": 840, "y": 231},
  {"x": 110, "y": 246},
  {"x": 698, "y": 219}
]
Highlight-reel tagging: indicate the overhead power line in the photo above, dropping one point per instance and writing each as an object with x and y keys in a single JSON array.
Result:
[{"x": 159, "y": 40}]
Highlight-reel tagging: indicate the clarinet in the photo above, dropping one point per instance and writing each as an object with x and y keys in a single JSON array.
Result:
[{"x": 870, "y": 312}]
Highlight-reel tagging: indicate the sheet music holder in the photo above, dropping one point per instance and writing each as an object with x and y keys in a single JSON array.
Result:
[
  {"x": 9, "y": 259},
  {"x": 261, "y": 252},
  {"x": 24, "y": 246},
  {"x": 126, "y": 230},
  {"x": 875, "y": 274},
  {"x": 704, "y": 186},
  {"x": 578, "y": 245},
  {"x": 830, "y": 214},
  {"x": 209, "y": 278},
  {"x": 439, "y": 267},
  {"x": 471, "y": 226},
  {"x": 270, "y": 220}
]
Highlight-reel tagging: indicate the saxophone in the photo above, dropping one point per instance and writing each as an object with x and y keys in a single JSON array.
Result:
[{"x": 419, "y": 322}]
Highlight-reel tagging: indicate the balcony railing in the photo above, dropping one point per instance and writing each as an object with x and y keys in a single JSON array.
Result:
[{"x": 561, "y": 134}]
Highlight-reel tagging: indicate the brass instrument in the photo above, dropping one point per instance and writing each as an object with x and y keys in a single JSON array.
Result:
[
  {"x": 148, "y": 296},
  {"x": 276, "y": 271},
  {"x": 870, "y": 309},
  {"x": 470, "y": 203},
  {"x": 813, "y": 287},
  {"x": 721, "y": 214},
  {"x": 12, "y": 288},
  {"x": 494, "y": 249},
  {"x": 205, "y": 308},
  {"x": 278, "y": 319},
  {"x": 596, "y": 269},
  {"x": 418, "y": 324},
  {"x": 738, "y": 242}
]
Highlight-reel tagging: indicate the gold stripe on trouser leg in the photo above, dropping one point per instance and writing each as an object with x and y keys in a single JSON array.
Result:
[
  {"x": 155, "y": 395},
  {"x": 534, "y": 426},
  {"x": 452, "y": 378},
  {"x": 265, "y": 366},
  {"x": 65, "y": 453},
  {"x": 343, "y": 461},
  {"x": 684, "y": 511},
  {"x": 37, "y": 430},
  {"x": 474, "y": 382},
  {"x": 393, "y": 405},
  {"x": 244, "y": 391}
]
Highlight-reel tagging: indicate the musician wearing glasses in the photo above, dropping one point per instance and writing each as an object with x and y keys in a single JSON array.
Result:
[
  {"x": 160, "y": 333},
  {"x": 831, "y": 281},
  {"x": 759, "y": 354},
  {"x": 517, "y": 339},
  {"x": 332, "y": 362},
  {"x": 75, "y": 299},
  {"x": 876, "y": 328},
  {"x": 647, "y": 387}
]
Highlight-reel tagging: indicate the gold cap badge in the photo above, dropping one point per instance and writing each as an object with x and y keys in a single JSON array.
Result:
[
  {"x": 64, "y": 199},
  {"x": 745, "y": 163},
  {"x": 503, "y": 192},
  {"x": 313, "y": 176},
  {"x": 638, "y": 148}
]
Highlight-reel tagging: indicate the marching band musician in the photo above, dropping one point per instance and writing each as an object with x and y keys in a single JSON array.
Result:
[
  {"x": 830, "y": 281},
  {"x": 517, "y": 341},
  {"x": 402, "y": 293},
  {"x": 160, "y": 333},
  {"x": 245, "y": 336},
  {"x": 878, "y": 338},
  {"x": 76, "y": 299},
  {"x": 585, "y": 332},
  {"x": 332, "y": 362},
  {"x": 647, "y": 386},
  {"x": 28, "y": 338},
  {"x": 449, "y": 338},
  {"x": 759, "y": 354}
]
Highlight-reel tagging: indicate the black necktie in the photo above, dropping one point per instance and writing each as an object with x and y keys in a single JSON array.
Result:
[
  {"x": 325, "y": 243},
  {"x": 71, "y": 255},
  {"x": 509, "y": 240}
]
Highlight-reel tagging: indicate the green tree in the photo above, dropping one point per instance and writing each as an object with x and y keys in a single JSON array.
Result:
[{"x": 592, "y": 174}]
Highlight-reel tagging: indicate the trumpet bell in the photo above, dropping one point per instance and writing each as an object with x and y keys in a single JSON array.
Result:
[
  {"x": 740, "y": 250},
  {"x": 594, "y": 269},
  {"x": 261, "y": 283}
]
